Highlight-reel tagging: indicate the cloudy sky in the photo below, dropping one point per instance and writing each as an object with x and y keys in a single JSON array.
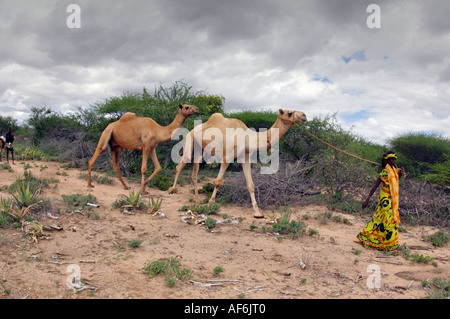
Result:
[{"x": 385, "y": 72}]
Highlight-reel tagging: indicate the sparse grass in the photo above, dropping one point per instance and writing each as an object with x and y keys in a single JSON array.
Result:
[
  {"x": 438, "y": 239},
  {"x": 286, "y": 226},
  {"x": 210, "y": 223},
  {"x": 442, "y": 290},
  {"x": 155, "y": 205},
  {"x": 161, "y": 182},
  {"x": 75, "y": 201},
  {"x": 25, "y": 197},
  {"x": 96, "y": 178},
  {"x": 32, "y": 182},
  {"x": 325, "y": 216},
  {"x": 218, "y": 270},
  {"x": 31, "y": 153},
  {"x": 423, "y": 259},
  {"x": 5, "y": 166},
  {"x": 209, "y": 209},
  {"x": 133, "y": 200},
  {"x": 20, "y": 213},
  {"x": 171, "y": 268},
  {"x": 312, "y": 232},
  {"x": 134, "y": 243}
]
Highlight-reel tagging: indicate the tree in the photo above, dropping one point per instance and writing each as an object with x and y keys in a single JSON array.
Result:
[
  {"x": 420, "y": 150},
  {"x": 6, "y": 122}
]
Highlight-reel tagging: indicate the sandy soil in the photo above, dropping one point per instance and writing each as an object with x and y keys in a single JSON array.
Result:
[{"x": 256, "y": 264}]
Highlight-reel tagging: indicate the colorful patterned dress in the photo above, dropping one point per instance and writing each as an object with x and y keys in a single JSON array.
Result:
[{"x": 381, "y": 232}]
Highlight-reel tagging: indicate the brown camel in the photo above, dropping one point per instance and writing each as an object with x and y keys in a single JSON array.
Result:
[
  {"x": 138, "y": 133},
  {"x": 227, "y": 149}
]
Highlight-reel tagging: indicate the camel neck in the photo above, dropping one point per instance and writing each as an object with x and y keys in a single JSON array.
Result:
[
  {"x": 167, "y": 130},
  {"x": 278, "y": 129}
]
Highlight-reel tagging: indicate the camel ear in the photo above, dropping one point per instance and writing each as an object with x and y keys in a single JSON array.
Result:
[{"x": 281, "y": 111}]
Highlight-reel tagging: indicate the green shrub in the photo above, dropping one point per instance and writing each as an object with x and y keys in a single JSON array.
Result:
[
  {"x": 171, "y": 268},
  {"x": 285, "y": 226},
  {"x": 438, "y": 239},
  {"x": 78, "y": 200},
  {"x": 210, "y": 223}
]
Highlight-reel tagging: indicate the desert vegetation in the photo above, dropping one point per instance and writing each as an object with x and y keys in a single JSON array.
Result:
[
  {"x": 312, "y": 201},
  {"x": 309, "y": 170}
]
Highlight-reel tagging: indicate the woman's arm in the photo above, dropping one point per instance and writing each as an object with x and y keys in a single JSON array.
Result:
[{"x": 374, "y": 188}]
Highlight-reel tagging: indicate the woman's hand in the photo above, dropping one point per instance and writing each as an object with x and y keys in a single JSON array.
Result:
[{"x": 401, "y": 172}]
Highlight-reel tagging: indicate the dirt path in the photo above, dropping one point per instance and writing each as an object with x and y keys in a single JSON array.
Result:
[{"x": 256, "y": 264}]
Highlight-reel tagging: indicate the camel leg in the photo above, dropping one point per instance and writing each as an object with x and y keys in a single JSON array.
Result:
[
  {"x": 219, "y": 181},
  {"x": 99, "y": 151},
  {"x": 251, "y": 188},
  {"x": 115, "y": 153},
  {"x": 101, "y": 148},
  {"x": 178, "y": 170},
  {"x": 144, "y": 168},
  {"x": 194, "y": 175}
]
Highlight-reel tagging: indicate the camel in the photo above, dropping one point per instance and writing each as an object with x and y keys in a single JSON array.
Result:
[
  {"x": 219, "y": 124},
  {"x": 138, "y": 133}
]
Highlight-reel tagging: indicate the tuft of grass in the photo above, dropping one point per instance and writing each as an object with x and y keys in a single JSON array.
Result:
[
  {"x": 218, "y": 270},
  {"x": 133, "y": 200},
  {"x": 438, "y": 239},
  {"x": 285, "y": 226},
  {"x": 443, "y": 288},
  {"x": 25, "y": 197},
  {"x": 134, "y": 243},
  {"x": 20, "y": 213},
  {"x": 96, "y": 178},
  {"x": 210, "y": 223},
  {"x": 78, "y": 200},
  {"x": 171, "y": 268},
  {"x": 155, "y": 205},
  {"x": 423, "y": 259}
]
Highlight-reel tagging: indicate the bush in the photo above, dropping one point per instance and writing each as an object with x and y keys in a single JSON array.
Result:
[
  {"x": 418, "y": 151},
  {"x": 78, "y": 200},
  {"x": 171, "y": 268},
  {"x": 438, "y": 239},
  {"x": 285, "y": 226},
  {"x": 421, "y": 203}
]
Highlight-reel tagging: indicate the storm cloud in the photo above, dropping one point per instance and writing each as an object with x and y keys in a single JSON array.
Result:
[{"x": 319, "y": 57}]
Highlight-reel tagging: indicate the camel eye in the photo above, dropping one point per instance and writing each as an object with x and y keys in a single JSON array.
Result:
[{"x": 290, "y": 114}]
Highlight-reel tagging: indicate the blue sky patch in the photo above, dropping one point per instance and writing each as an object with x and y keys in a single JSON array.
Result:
[
  {"x": 357, "y": 56},
  {"x": 323, "y": 79},
  {"x": 357, "y": 116}
]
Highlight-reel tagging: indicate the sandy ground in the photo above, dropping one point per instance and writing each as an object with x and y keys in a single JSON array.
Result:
[{"x": 256, "y": 264}]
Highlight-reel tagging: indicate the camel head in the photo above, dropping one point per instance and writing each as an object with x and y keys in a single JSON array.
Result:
[
  {"x": 289, "y": 116},
  {"x": 187, "y": 110}
]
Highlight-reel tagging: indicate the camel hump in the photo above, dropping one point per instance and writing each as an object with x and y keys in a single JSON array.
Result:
[{"x": 128, "y": 116}]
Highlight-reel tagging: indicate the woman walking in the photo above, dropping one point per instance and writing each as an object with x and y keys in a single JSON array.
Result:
[{"x": 381, "y": 232}]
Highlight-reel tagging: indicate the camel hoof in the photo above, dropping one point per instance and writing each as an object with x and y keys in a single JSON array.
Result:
[
  {"x": 171, "y": 190},
  {"x": 91, "y": 186},
  {"x": 258, "y": 215}
]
